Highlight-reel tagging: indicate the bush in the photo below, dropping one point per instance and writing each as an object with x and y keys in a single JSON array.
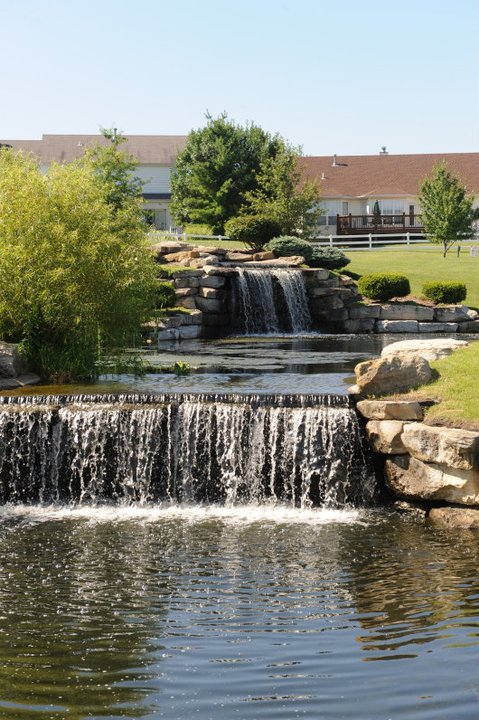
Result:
[
  {"x": 383, "y": 286},
  {"x": 288, "y": 245},
  {"x": 165, "y": 295},
  {"x": 330, "y": 258},
  {"x": 253, "y": 230},
  {"x": 445, "y": 291}
]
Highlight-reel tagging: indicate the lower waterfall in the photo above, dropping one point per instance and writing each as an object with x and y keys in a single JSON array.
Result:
[
  {"x": 301, "y": 450},
  {"x": 269, "y": 301}
]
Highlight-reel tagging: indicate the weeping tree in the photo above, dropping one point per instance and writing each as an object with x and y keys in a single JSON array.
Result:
[
  {"x": 76, "y": 274},
  {"x": 448, "y": 213}
]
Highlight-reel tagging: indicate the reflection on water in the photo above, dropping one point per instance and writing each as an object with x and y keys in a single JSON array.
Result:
[{"x": 262, "y": 613}]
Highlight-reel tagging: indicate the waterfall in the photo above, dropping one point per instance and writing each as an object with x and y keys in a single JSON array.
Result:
[
  {"x": 270, "y": 301},
  {"x": 301, "y": 450}
]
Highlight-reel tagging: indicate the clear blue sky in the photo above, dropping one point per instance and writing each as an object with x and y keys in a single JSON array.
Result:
[{"x": 335, "y": 77}]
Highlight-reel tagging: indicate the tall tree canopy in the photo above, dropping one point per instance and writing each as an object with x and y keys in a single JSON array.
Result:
[
  {"x": 76, "y": 273},
  {"x": 226, "y": 170},
  {"x": 447, "y": 210}
]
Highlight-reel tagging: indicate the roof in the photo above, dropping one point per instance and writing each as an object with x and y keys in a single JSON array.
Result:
[
  {"x": 147, "y": 149},
  {"x": 356, "y": 176}
]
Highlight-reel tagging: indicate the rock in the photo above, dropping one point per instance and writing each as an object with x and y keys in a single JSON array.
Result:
[
  {"x": 411, "y": 478},
  {"x": 390, "y": 409},
  {"x": 428, "y": 349},
  {"x": 219, "y": 271},
  {"x": 391, "y": 374},
  {"x": 365, "y": 311},
  {"x": 454, "y": 313},
  {"x": 238, "y": 256},
  {"x": 185, "y": 292},
  {"x": 264, "y": 255},
  {"x": 385, "y": 436},
  {"x": 188, "y": 302},
  {"x": 210, "y": 305},
  {"x": 470, "y": 327},
  {"x": 454, "y": 517},
  {"x": 206, "y": 249},
  {"x": 212, "y": 293},
  {"x": 437, "y": 327},
  {"x": 179, "y": 257},
  {"x": 171, "y": 246},
  {"x": 397, "y": 326},
  {"x": 185, "y": 280},
  {"x": 359, "y": 326},
  {"x": 10, "y": 361},
  {"x": 213, "y": 281},
  {"x": 404, "y": 311},
  {"x": 415, "y": 509},
  {"x": 189, "y": 332},
  {"x": 216, "y": 319},
  {"x": 446, "y": 446},
  {"x": 295, "y": 260}
]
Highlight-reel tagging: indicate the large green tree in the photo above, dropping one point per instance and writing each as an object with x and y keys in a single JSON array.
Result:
[
  {"x": 76, "y": 273},
  {"x": 225, "y": 167},
  {"x": 448, "y": 212}
]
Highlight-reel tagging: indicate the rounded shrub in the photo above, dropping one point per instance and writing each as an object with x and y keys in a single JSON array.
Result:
[
  {"x": 255, "y": 231},
  {"x": 165, "y": 295},
  {"x": 383, "y": 286},
  {"x": 446, "y": 291},
  {"x": 330, "y": 258},
  {"x": 288, "y": 246}
]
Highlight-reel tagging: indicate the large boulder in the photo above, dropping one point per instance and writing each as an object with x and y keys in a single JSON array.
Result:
[
  {"x": 428, "y": 349},
  {"x": 10, "y": 361},
  {"x": 446, "y": 446},
  {"x": 387, "y": 375},
  {"x": 390, "y": 409},
  {"x": 455, "y": 517},
  {"x": 385, "y": 436},
  {"x": 410, "y": 478}
]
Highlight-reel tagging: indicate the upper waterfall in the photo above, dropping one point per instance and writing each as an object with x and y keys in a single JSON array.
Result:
[{"x": 270, "y": 300}]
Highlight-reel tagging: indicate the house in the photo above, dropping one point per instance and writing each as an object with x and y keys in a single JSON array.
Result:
[
  {"x": 354, "y": 187},
  {"x": 156, "y": 155}
]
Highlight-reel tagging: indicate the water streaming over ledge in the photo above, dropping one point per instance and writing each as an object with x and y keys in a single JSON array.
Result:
[
  {"x": 269, "y": 301},
  {"x": 300, "y": 450}
]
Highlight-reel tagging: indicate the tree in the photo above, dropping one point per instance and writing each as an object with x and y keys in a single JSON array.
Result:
[
  {"x": 217, "y": 167},
  {"x": 227, "y": 170},
  {"x": 76, "y": 274},
  {"x": 283, "y": 196},
  {"x": 115, "y": 168},
  {"x": 447, "y": 211}
]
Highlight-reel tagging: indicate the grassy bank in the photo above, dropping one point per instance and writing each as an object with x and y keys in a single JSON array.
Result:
[
  {"x": 456, "y": 388},
  {"x": 421, "y": 265}
]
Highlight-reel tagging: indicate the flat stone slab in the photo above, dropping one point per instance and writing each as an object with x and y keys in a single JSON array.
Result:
[
  {"x": 438, "y": 327},
  {"x": 390, "y": 409},
  {"x": 433, "y": 349},
  {"x": 446, "y": 446},
  {"x": 397, "y": 326},
  {"x": 20, "y": 381},
  {"x": 403, "y": 311},
  {"x": 454, "y": 313}
]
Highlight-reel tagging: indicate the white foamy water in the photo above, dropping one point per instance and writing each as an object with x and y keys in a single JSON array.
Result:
[{"x": 238, "y": 515}]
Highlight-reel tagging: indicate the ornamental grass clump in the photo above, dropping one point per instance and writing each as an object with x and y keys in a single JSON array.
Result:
[
  {"x": 445, "y": 292},
  {"x": 383, "y": 286}
]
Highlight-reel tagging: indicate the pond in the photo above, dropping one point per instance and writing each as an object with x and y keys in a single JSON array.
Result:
[{"x": 254, "y": 609}]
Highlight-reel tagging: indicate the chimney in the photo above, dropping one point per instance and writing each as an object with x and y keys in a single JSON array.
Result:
[
  {"x": 384, "y": 151},
  {"x": 334, "y": 163}
]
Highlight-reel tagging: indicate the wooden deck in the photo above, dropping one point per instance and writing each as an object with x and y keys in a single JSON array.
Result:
[{"x": 366, "y": 224}]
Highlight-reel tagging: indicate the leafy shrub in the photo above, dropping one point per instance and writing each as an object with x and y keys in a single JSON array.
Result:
[
  {"x": 253, "y": 230},
  {"x": 445, "y": 291},
  {"x": 383, "y": 286},
  {"x": 288, "y": 245},
  {"x": 330, "y": 258},
  {"x": 165, "y": 295}
]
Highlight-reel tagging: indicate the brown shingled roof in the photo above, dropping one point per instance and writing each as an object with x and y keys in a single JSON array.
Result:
[
  {"x": 147, "y": 149},
  {"x": 385, "y": 175}
]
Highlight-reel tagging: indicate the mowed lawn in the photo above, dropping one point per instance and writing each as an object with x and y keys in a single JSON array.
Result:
[{"x": 420, "y": 265}]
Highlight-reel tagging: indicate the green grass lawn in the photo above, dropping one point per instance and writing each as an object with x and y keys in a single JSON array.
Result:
[
  {"x": 421, "y": 264},
  {"x": 456, "y": 388}
]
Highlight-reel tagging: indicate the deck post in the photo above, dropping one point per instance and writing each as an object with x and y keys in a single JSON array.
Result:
[
  {"x": 408, "y": 241},
  {"x": 370, "y": 241},
  {"x": 330, "y": 241}
]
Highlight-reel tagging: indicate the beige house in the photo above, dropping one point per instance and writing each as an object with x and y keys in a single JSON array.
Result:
[
  {"x": 156, "y": 155},
  {"x": 352, "y": 187}
]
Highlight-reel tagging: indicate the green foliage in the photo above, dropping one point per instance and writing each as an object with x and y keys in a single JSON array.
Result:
[
  {"x": 76, "y": 274},
  {"x": 288, "y": 246},
  {"x": 252, "y": 230},
  {"x": 447, "y": 211},
  {"x": 181, "y": 368},
  {"x": 227, "y": 170},
  {"x": 165, "y": 296},
  {"x": 445, "y": 291},
  {"x": 330, "y": 258},
  {"x": 383, "y": 286},
  {"x": 115, "y": 169}
]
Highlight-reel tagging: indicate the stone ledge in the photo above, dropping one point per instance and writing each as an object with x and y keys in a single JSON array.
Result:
[
  {"x": 390, "y": 409},
  {"x": 455, "y": 517}
]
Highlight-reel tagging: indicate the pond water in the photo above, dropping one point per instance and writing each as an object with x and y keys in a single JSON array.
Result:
[
  {"x": 249, "y": 611},
  {"x": 254, "y": 612}
]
